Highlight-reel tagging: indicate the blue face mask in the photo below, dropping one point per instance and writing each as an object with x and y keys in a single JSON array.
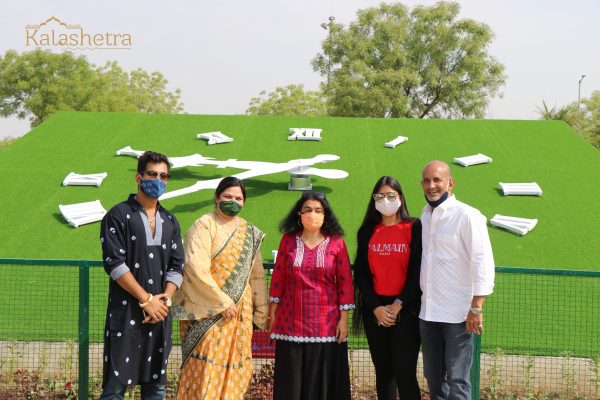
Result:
[
  {"x": 153, "y": 188},
  {"x": 439, "y": 201}
]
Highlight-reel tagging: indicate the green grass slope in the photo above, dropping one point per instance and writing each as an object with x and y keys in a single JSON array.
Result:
[{"x": 547, "y": 152}]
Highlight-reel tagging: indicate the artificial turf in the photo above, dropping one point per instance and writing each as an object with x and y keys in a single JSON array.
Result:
[{"x": 547, "y": 152}]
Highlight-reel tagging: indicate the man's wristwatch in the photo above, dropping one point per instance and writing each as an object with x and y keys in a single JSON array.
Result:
[{"x": 476, "y": 311}]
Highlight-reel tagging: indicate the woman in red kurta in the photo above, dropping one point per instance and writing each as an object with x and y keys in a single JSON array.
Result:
[{"x": 310, "y": 295}]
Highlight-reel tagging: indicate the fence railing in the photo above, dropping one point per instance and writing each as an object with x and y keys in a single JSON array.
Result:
[{"x": 542, "y": 334}]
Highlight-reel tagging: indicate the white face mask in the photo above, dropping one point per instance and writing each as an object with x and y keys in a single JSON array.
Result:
[{"x": 387, "y": 207}]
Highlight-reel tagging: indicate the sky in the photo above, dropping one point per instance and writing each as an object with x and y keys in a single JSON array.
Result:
[{"x": 222, "y": 53}]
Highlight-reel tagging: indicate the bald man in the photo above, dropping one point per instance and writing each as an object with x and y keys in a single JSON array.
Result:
[{"x": 457, "y": 272}]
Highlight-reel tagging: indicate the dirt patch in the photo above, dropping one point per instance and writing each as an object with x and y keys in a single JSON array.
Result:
[{"x": 504, "y": 373}]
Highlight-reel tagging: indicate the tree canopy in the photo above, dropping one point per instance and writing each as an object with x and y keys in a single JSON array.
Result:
[
  {"x": 590, "y": 118},
  {"x": 396, "y": 62},
  {"x": 38, "y": 83},
  {"x": 288, "y": 100},
  {"x": 586, "y": 121},
  {"x": 566, "y": 113}
]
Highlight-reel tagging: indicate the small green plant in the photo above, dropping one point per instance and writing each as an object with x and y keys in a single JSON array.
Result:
[
  {"x": 68, "y": 360},
  {"x": 568, "y": 374},
  {"x": 595, "y": 367},
  {"x": 172, "y": 379},
  {"x": 495, "y": 372},
  {"x": 133, "y": 392},
  {"x": 95, "y": 386},
  {"x": 15, "y": 354},
  {"x": 42, "y": 363},
  {"x": 527, "y": 364}
]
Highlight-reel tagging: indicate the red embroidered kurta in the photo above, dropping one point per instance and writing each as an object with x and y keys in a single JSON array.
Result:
[{"x": 311, "y": 286}]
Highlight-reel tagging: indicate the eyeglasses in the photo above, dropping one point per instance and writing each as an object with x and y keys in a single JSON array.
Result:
[
  {"x": 307, "y": 210},
  {"x": 153, "y": 174},
  {"x": 317, "y": 195},
  {"x": 391, "y": 196}
]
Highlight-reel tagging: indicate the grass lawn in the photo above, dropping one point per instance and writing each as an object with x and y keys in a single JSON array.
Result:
[{"x": 547, "y": 152}]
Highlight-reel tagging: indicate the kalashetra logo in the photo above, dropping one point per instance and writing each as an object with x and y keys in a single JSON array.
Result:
[{"x": 55, "y": 33}]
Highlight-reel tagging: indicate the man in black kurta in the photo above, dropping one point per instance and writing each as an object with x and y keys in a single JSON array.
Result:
[{"x": 143, "y": 254}]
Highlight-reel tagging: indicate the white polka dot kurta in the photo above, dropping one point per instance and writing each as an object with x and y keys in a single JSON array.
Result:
[{"x": 135, "y": 352}]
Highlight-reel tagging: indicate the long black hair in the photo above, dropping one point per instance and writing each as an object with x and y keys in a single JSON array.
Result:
[
  {"x": 370, "y": 221},
  {"x": 292, "y": 223},
  {"x": 372, "y": 216}
]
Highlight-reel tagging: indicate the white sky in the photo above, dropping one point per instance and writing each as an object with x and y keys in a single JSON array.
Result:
[{"x": 221, "y": 53}]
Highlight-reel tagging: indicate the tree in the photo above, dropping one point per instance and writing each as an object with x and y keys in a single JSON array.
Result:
[
  {"x": 39, "y": 83},
  {"x": 396, "y": 62},
  {"x": 586, "y": 122},
  {"x": 148, "y": 93},
  {"x": 6, "y": 142},
  {"x": 288, "y": 100},
  {"x": 591, "y": 118},
  {"x": 566, "y": 113}
]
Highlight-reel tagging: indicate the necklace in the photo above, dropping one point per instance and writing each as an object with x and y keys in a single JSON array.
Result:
[{"x": 155, "y": 209}]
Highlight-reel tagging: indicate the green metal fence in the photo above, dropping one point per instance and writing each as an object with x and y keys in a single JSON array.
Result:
[{"x": 542, "y": 335}]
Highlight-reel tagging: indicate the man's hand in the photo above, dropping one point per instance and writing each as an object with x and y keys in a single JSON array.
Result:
[
  {"x": 156, "y": 310},
  {"x": 475, "y": 319},
  {"x": 475, "y": 323}
]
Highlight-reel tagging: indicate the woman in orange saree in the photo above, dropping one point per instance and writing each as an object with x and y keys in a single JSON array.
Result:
[{"x": 222, "y": 295}]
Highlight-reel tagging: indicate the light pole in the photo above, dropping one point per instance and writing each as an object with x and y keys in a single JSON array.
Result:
[
  {"x": 328, "y": 27},
  {"x": 579, "y": 103}
]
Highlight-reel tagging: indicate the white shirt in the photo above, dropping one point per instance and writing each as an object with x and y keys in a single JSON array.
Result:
[{"x": 457, "y": 261}]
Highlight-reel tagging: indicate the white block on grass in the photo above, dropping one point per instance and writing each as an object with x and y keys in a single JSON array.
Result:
[
  {"x": 74, "y": 179},
  {"x": 274, "y": 255},
  {"x": 520, "y": 226},
  {"x": 214, "y": 137},
  {"x": 128, "y": 151},
  {"x": 305, "y": 134},
  {"x": 467, "y": 161},
  {"x": 520, "y": 189},
  {"x": 82, "y": 213},
  {"x": 393, "y": 143}
]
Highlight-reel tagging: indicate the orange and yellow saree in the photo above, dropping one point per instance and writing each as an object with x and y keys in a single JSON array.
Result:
[{"x": 219, "y": 269}]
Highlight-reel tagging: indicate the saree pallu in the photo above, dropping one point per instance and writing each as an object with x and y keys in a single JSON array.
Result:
[{"x": 216, "y": 352}]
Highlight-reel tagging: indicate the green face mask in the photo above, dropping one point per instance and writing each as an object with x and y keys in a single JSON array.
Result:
[{"x": 231, "y": 208}]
